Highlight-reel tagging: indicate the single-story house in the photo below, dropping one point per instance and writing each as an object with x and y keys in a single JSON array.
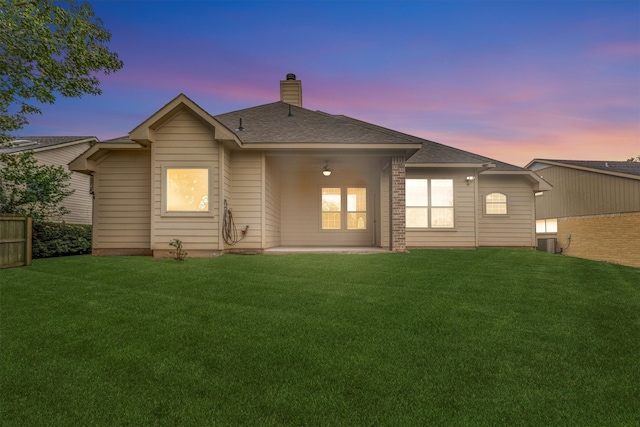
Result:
[
  {"x": 593, "y": 211},
  {"x": 280, "y": 175},
  {"x": 59, "y": 151}
]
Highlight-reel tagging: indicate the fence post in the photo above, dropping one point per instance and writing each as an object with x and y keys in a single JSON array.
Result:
[{"x": 28, "y": 244}]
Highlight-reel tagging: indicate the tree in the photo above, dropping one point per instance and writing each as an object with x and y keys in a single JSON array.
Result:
[
  {"x": 633, "y": 159},
  {"x": 48, "y": 47},
  {"x": 27, "y": 188}
]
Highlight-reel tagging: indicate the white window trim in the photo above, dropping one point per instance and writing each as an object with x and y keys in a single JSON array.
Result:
[
  {"x": 163, "y": 191},
  {"x": 429, "y": 207}
]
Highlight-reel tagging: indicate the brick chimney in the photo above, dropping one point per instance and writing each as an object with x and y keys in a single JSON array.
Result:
[{"x": 291, "y": 90}]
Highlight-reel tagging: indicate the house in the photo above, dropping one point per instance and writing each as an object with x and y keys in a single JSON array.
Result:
[
  {"x": 59, "y": 151},
  {"x": 280, "y": 175},
  {"x": 593, "y": 211}
]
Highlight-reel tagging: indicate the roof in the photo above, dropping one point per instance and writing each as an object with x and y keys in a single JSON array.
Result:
[
  {"x": 629, "y": 169},
  {"x": 435, "y": 153},
  {"x": 280, "y": 122},
  {"x": 24, "y": 143}
]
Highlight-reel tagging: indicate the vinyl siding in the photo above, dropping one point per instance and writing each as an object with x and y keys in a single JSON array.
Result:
[
  {"x": 272, "y": 206},
  {"x": 517, "y": 227},
  {"x": 384, "y": 207},
  {"x": 578, "y": 193},
  {"x": 463, "y": 233},
  {"x": 185, "y": 141},
  {"x": 122, "y": 203},
  {"x": 80, "y": 202},
  {"x": 246, "y": 200}
]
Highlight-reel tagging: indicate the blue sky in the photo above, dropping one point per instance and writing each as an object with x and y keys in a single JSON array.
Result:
[{"x": 512, "y": 80}]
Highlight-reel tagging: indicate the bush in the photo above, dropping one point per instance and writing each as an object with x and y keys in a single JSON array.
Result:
[{"x": 53, "y": 239}]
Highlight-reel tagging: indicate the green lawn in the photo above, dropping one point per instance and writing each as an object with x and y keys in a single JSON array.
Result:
[{"x": 434, "y": 337}]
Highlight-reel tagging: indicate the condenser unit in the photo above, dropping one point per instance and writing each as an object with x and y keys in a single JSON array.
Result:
[{"x": 547, "y": 245}]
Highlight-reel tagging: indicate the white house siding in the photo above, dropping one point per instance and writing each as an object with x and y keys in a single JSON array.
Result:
[
  {"x": 462, "y": 235},
  {"x": 122, "y": 201},
  {"x": 185, "y": 141},
  {"x": 272, "y": 205},
  {"x": 246, "y": 197},
  {"x": 301, "y": 203},
  {"x": 517, "y": 227},
  {"x": 80, "y": 202}
]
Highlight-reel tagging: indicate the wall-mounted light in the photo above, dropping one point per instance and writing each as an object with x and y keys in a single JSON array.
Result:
[
  {"x": 470, "y": 178},
  {"x": 326, "y": 171}
]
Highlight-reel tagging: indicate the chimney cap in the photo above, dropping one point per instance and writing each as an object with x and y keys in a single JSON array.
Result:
[{"x": 291, "y": 76}]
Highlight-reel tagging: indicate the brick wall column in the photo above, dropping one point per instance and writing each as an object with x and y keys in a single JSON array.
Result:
[{"x": 397, "y": 226}]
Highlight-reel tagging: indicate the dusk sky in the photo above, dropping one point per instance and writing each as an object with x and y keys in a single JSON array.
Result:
[{"x": 511, "y": 80}]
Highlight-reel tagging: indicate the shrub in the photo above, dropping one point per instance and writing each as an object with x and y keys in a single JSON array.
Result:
[
  {"x": 179, "y": 254},
  {"x": 52, "y": 239}
]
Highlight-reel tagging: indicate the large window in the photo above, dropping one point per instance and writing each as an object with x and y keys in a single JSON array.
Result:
[
  {"x": 187, "y": 189},
  {"x": 495, "y": 204},
  {"x": 429, "y": 203},
  {"x": 334, "y": 199}
]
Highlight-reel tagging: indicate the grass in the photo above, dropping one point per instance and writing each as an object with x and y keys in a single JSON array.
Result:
[{"x": 485, "y": 337}]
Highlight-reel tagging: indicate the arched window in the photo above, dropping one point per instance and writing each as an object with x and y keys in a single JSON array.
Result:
[{"x": 495, "y": 204}]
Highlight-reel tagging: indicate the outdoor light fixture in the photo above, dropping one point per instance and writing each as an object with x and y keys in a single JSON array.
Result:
[
  {"x": 326, "y": 171},
  {"x": 470, "y": 178}
]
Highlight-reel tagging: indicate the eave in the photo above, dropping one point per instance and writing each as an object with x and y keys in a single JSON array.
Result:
[
  {"x": 583, "y": 168},
  {"x": 88, "y": 161},
  {"x": 539, "y": 183},
  {"x": 480, "y": 166}
]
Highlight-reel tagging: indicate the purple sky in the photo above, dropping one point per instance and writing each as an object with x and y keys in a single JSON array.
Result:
[{"x": 512, "y": 80}]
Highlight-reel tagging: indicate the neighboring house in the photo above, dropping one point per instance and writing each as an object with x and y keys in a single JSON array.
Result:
[
  {"x": 596, "y": 203},
  {"x": 295, "y": 177},
  {"x": 59, "y": 151}
]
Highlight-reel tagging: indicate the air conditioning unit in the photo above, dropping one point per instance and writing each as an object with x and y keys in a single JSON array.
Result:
[{"x": 547, "y": 245}]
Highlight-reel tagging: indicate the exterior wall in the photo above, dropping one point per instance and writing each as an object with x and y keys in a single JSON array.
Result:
[
  {"x": 611, "y": 237},
  {"x": 122, "y": 205},
  {"x": 80, "y": 202},
  {"x": 246, "y": 200},
  {"x": 384, "y": 208},
  {"x": 517, "y": 227},
  {"x": 301, "y": 204},
  {"x": 272, "y": 206},
  {"x": 185, "y": 141},
  {"x": 578, "y": 192},
  {"x": 463, "y": 235},
  {"x": 397, "y": 211}
]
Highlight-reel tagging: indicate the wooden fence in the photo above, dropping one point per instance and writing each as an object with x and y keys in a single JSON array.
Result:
[{"x": 15, "y": 240}]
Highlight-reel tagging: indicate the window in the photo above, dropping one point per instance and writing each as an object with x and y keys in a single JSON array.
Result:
[
  {"x": 547, "y": 226},
  {"x": 356, "y": 208},
  {"x": 331, "y": 208},
  {"x": 495, "y": 204},
  {"x": 187, "y": 189},
  {"x": 429, "y": 203},
  {"x": 355, "y": 200}
]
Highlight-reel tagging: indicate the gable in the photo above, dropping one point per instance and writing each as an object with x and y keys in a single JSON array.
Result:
[{"x": 145, "y": 133}]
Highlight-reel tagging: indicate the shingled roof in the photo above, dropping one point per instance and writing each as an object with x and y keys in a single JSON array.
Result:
[
  {"x": 283, "y": 123},
  {"x": 24, "y": 143},
  {"x": 280, "y": 122},
  {"x": 608, "y": 167}
]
